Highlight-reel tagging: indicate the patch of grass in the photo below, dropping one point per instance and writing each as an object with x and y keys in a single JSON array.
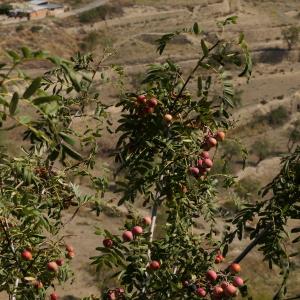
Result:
[{"x": 94, "y": 39}]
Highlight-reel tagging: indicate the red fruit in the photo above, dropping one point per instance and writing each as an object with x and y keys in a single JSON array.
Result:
[
  {"x": 217, "y": 291},
  {"x": 26, "y": 255},
  {"x": 204, "y": 154},
  {"x": 127, "y": 236},
  {"x": 70, "y": 255},
  {"x": 141, "y": 99},
  {"x": 69, "y": 248},
  {"x": 211, "y": 142},
  {"x": 201, "y": 292},
  {"x": 211, "y": 275},
  {"x": 38, "y": 284},
  {"x": 137, "y": 230},
  {"x": 52, "y": 266},
  {"x": 147, "y": 220},
  {"x": 230, "y": 290},
  {"x": 152, "y": 102},
  {"x": 54, "y": 296},
  {"x": 224, "y": 285},
  {"x": 200, "y": 163},
  {"x": 207, "y": 162},
  {"x": 194, "y": 171},
  {"x": 218, "y": 259},
  {"x": 220, "y": 136},
  {"x": 202, "y": 171},
  {"x": 185, "y": 283},
  {"x": 238, "y": 281},
  {"x": 120, "y": 291},
  {"x": 107, "y": 243},
  {"x": 111, "y": 295},
  {"x": 235, "y": 268},
  {"x": 168, "y": 117},
  {"x": 149, "y": 110},
  {"x": 154, "y": 265},
  {"x": 59, "y": 262}
]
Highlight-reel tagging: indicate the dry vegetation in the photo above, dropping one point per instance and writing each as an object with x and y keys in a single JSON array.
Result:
[{"x": 269, "y": 104}]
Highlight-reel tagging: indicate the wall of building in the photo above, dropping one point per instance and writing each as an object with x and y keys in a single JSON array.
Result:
[{"x": 42, "y": 13}]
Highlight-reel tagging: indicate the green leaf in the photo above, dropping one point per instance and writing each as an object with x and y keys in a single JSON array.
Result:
[
  {"x": 34, "y": 86},
  {"x": 71, "y": 152},
  {"x": 14, "y": 55},
  {"x": 204, "y": 48},
  {"x": 67, "y": 138},
  {"x": 196, "y": 28},
  {"x": 46, "y": 99},
  {"x": 14, "y": 103},
  {"x": 26, "y": 52}
]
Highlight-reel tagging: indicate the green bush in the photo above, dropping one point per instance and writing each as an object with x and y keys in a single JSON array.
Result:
[
  {"x": 277, "y": 116},
  {"x": 100, "y": 13},
  {"x": 36, "y": 28},
  {"x": 5, "y": 8},
  {"x": 20, "y": 28},
  {"x": 247, "y": 188},
  {"x": 262, "y": 149}
]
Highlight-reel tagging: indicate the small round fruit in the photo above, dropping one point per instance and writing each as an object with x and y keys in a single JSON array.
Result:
[
  {"x": 54, "y": 296},
  {"x": 230, "y": 290},
  {"x": 120, "y": 291},
  {"x": 147, "y": 220},
  {"x": 70, "y": 254},
  {"x": 205, "y": 154},
  {"x": 152, "y": 102},
  {"x": 107, "y": 243},
  {"x": 235, "y": 268},
  {"x": 211, "y": 275},
  {"x": 220, "y": 136},
  {"x": 59, "y": 262},
  {"x": 137, "y": 230},
  {"x": 154, "y": 265},
  {"x": 218, "y": 260},
  {"x": 69, "y": 248},
  {"x": 149, "y": 110},
  {"x": 52, "y": 266},
  {"x": 38, "y": 284},
  {"x": 168, "y": 118},
  {"x": 127, "y": 236},
  {"x": 27, "y": 255},
  {"x": 238, "y": 281},
  {"x": 141, "y": 99},
  {"x": 211, "y": 142},
  {"x": 111, "y": 295},
  {"x": 217, "y": 291},
  {"x": 201, "y": 292},
  {"x": 207, "y": 162},
  {"x": 194, "y": 171},
  {"x": 224, "y": 284},
  {"x": 185, "y": 283}
]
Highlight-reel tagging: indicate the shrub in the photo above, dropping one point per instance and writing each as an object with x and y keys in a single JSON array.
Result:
[
  {"x": 262, "y": 149},
  {"x": 20, "y": 28},
  {"x": 5, "y": 8},
  {"x": 100, "y": 13},
  {"x": 247, "y": 188},
  {"x": 277, "y": 116},
  {"x": 36, "y": 28}
]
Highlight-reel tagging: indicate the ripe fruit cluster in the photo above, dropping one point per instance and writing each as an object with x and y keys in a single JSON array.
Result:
[
  {"x": 218, "y": 285},
  {"x": 204, "y": 165},
  {"x": 212, "y": 140},
  {"x": 146, "y": 106},
  {"x": 116, "y": 294}
]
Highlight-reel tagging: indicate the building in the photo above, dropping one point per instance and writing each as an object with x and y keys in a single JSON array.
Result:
[{"x": 36, "y": 9}]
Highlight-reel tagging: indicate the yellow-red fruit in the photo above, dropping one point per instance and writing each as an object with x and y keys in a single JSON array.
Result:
[
  {"x": 211, "y": 275},
  {"x": 238, "y": 281},
  {"x": 111, "y": 295},
  {"x": 220, "y": 136},
  {"x": 201, "y": 292},
  {"x": 230, "y": 290},
  {"x": 168, "y": 117},
  {"x": 217, "y": 260},
  {"x": 217, "y": 291},
  {"x": 26, "y": 255},
  {"x": 38, "y": 284},
  {"x": 149, "y": 110},
  {"x": 59, "y": 262},
  {"x": 154, "y": 265},
  {"x": 224, "y": 284},
  {"x": 127, "y": 236},
  {"x": 152, "y": 102},
  {"x": 71, "y": 254},
  {"x": 141, "y": 99},
  {"x": 52, "y": 266},
  {"x": 205, "y": 154},
  {"x": 147, "y": 220},
  {"x": 194, "y": 171},
  {"x": 69, "y": 248},
  {"x": 137, "y": 230},
  {"x": 212, "y": 142},
  {"x": 207, "y": 163},
  {"x": 54, "y": 296},
  {"x": 235, "y": 268},
  {"x": 107, "y": 243}
]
